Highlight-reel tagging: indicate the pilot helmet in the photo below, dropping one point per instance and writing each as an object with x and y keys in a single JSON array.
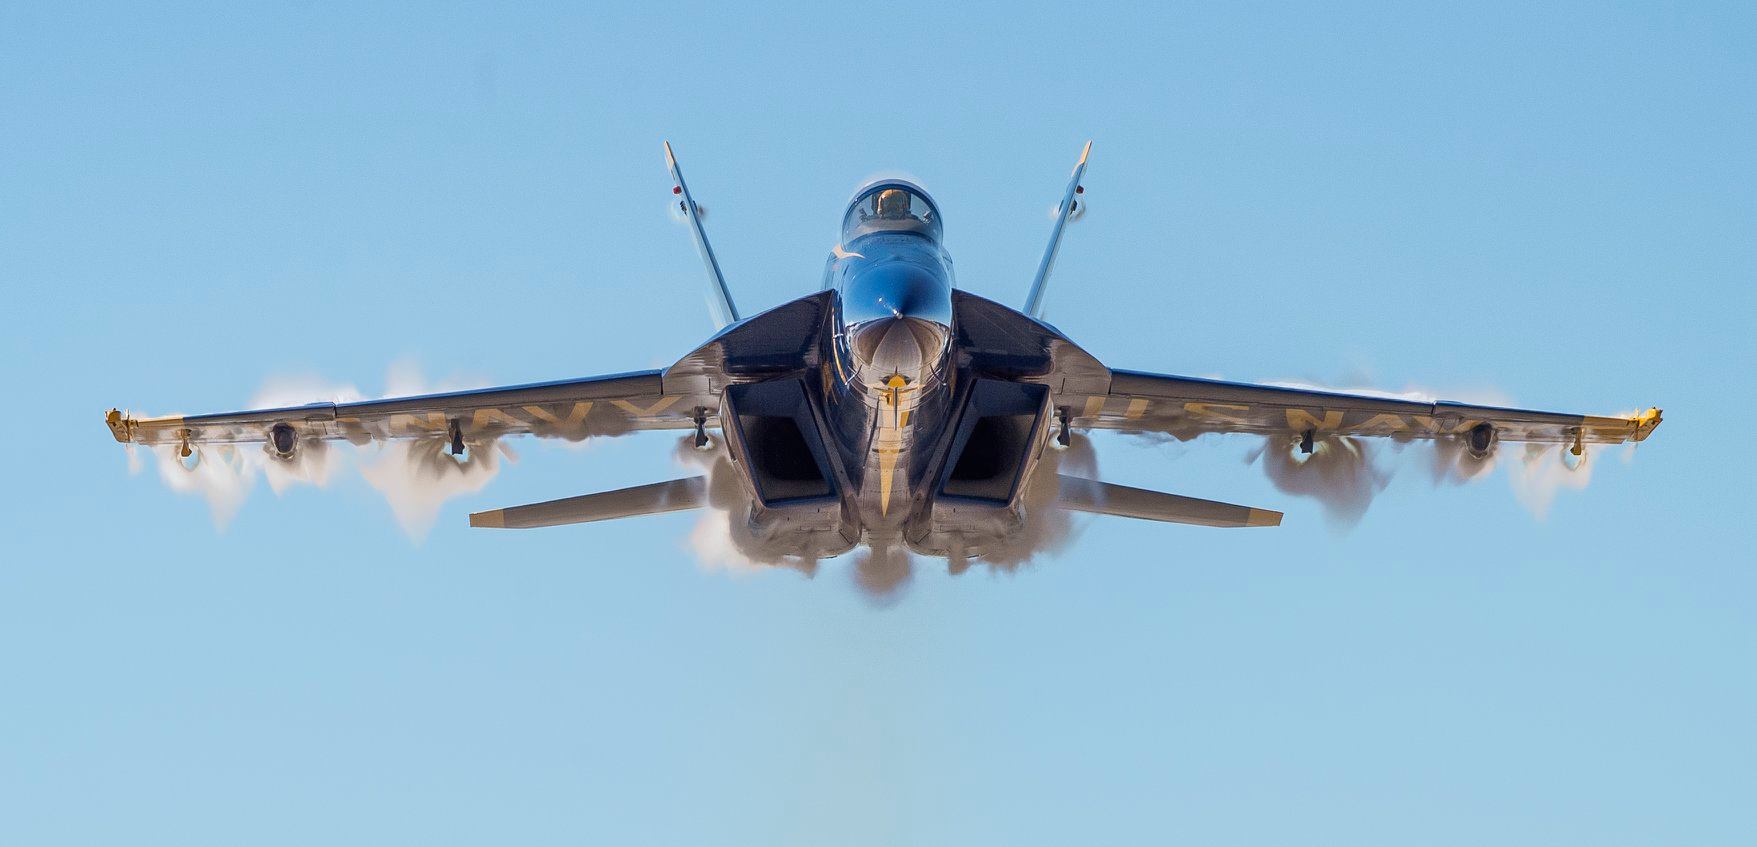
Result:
[{"x": 893, "y": 204}]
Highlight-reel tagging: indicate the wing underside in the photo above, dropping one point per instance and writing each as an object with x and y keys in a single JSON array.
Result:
[
  {"x": 569, "y": 409},
  {"x": 1186, "y": 407},
  {"x": 684, "y": 396}
]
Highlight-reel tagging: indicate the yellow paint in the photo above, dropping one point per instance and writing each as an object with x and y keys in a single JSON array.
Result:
[
  {"x": 890, "y": 439},
  {"x": 1208, "y": 410},
  {"x": 411, "y": 423},
  {"x": 887, "y": 470},
  {"x": 575, "y": 417},
  {"x": 661, "y": 405},
  {"x": 121, "y": 428},
  {"x": 1301, "y": 420},
  {"x": 485, "y": 418},
  {"x": 1262, "y": 517},
  {"x": 1388, "y": 423},
  {"x": 1094, "y": 406},
  {"x": 1137, "y": 407},
  {"x": 1645, "y": 424},
  {"x": 1433, "y": 425}
]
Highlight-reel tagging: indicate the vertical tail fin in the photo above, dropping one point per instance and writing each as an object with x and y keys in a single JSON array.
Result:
[
  {"x": 1069, "y": 205},
  {"x": 720, "y": 303}
]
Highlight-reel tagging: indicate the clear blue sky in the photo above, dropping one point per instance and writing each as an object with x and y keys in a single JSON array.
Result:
[{"x": 1556, "y": 205}]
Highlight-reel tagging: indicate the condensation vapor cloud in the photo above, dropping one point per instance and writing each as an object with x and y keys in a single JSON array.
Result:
[
  {"x": 1046, "y": 530},
  {"x": 416, "y": 477},
  {"x": 883, "y": 569},
  {"x": 723, "y": 537},
  {"x": 1344, "y": 474}
]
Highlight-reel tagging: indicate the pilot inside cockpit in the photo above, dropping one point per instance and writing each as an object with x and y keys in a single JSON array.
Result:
[
  {"x": 891, "y": 207},
  {"x": 893, "y": 204}
]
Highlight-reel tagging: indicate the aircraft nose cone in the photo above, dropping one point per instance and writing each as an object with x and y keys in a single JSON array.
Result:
[{"x": 909, "y": 346}]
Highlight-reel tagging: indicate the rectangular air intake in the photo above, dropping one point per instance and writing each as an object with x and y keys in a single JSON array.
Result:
[
  {"x": 774, "y": 435},
  {"x": 998, "y": 428}
]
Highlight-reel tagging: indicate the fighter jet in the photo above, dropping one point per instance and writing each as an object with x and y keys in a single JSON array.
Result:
[{"x": 889, "y": 408}]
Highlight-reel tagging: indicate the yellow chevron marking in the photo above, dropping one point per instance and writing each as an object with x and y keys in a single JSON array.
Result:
[
  {"x": 486, "y": 417},
  {"x": 660, "y": 406},
  {"x": 1389, "y": 423},
  {"x": 409, "y": 423},
  {"x": 1208, "y": 410},
  {"x": 1301, "y": 420}
]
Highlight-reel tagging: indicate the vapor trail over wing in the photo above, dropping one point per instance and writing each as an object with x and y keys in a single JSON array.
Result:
[
  {"x": 673, "y": 496},
  {"x": 1103, "y": 498}
]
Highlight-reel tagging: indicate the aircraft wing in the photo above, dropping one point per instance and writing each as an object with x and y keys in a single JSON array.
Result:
[
  {"x": 783, "y": 339},
  {"x": 1185, "y": 407},
  {"x": 572, "y": 409}
]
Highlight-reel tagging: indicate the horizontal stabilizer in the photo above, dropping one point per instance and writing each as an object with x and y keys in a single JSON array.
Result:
[
  {"x": 1103, "y": 498},
  {"x": 673, "y": 496}
]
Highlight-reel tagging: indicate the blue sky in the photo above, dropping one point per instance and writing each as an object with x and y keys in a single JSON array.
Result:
[{"x": 1552, "y": 205}]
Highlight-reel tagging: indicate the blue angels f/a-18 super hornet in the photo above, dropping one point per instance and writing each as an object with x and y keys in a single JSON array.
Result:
[{"x": 888, "y": 408}]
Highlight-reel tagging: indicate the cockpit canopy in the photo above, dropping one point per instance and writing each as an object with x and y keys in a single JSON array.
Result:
[{"x": 891, "y": 206}]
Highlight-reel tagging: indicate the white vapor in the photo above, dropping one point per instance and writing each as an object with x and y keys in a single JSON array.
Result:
[
  {"x": 1542, "y": 471},
  {"x": 722, "y": 538},
  {"x": 223, "y": 475},
  {"x": 415, "y": 476},
  {"x": 1345, "y": 473},
  {"x": 883, "y": 567}
]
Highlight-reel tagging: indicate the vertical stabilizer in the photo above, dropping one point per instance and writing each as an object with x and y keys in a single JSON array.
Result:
[
  {"x": 1070, "y": 205},
  {"x": 719, "y": 297}
]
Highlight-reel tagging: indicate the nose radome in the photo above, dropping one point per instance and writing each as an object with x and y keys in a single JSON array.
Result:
[{"x": 909, "y": 346}]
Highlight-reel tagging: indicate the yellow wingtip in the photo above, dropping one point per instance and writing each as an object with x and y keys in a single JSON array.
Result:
[
  {"x": 1648, "y": 422},
  {"x": 118, "y": 424},
  {"x": 1263, "y": 517},
  {"x": 493, "y": 519}
]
